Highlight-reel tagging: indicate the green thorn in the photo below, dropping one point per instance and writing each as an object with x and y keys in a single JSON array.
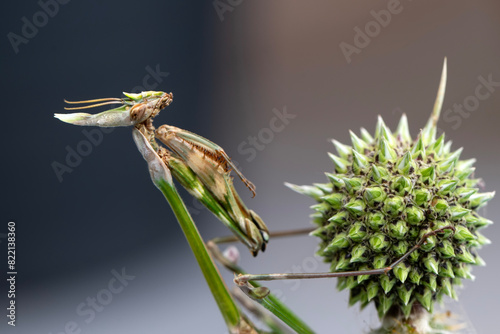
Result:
[
  {"x": 341, "y": 283},
  {"x": 463, "y": 255},
  {"x": 357, "y": 144},
  {"x": 378, "y": 242},
  {"x": 357, "y": 232},
  {"x": 380, "y": 261},
  {"x": 374, "y": 196},
  {"x": 336, "y": 181},
  {"x": 402, "y": 185},
  {"x": 447, "y": 147},
  {"x": 456, "y": 155},
  {"x": 326, "y": 188},
  {"x": 401, "y": 272},
  {"x": 479, "y": 200},
  {"x": 385, "y": 152},
  {"x": 336, "y": 200},
  {"x": 400, "y": 248},
  {"x": 430, "y": 282},
  {"x": 384, "y": 304},
  {"x": 429, "y": 131},
  {"x": 422, "y": 197},
  {"x": 403, "y": 131},
  {"x": 415, "y": 275},
  {"x": 343, "y": 150},
  {"x": 355, "y": 207},
  {"x": 462, "y": 175},
  {"x": 404, "y": 294},
  {"x": 352, "y": 282},
  {"x": 463, "y": 234},
  {"x": 465, "y": 164},
  {"x": 482, "y": 240},
  {"x": 428, "y": 175},
  {"x": 440, "y": 206},
  {"x": 383, "y": 132},
  {"x": 479, "y": 261},
  {"x": 361, "y": 278},
  {"x": 372, "y": 290},
  {"x": 447, "y": 288},
  {"x": 376, "y": 220},
  {"x": 340, "y": 241},
  {"x": 319, "y": 231},
  {"x": 447, "y": 165},
  {"x": 394, "y": 206},
  {"x": 437, "y": 146},
  {"x": 458, "y": 212},
  {"x": 398, "y": 230},
  {"x": 425, "y": 299},
  {"x": 306, "y": 190},
  {"x": 445, "y": 248},
  {"x": 407, "y": 309},
  {"x": 445, "y": 233},
  {"x": 464, "y": 194},
  {"x": 405, "y": 164},
  {"x": 414, "y": 256},
  {"x": 414, "y": 215},
  {"x": 340, "y": 164},
  {"x": 446, "y": 269},
  {"x": 340, "y": 218},
  {"x": 367, "y": 137},
  {"x": 342, "y": 263},
  {"x": 418, "y": 149},
  {"x": 471, "y": 183},
  {"x": 482, "y": 222},
  {"x": 320, "y": 207},
  {"x": 431, "y": 264},
  {"x": 462, "y": 270},
  {"x": 353, "y": 184},
  {"x": 429, "y": 243},
  {"x": 445, "y": 187},
  {"x": 359, "y": 162},
  {"x": 387, "y": 283},
  {"x": 378, "y": 174},
  {"x": 357, "y": 254}
]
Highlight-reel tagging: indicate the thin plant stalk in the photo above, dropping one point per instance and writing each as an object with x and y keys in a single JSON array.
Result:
[
  {"x": 270, "y": 302},
  {"x": 161, "y": 177},
  {"x": 212, "y": 276}
]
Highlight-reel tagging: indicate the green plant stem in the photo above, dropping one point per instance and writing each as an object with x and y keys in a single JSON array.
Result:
[
  {"x": 217, "y": 286},
  {"x": 270, "y": 302}
]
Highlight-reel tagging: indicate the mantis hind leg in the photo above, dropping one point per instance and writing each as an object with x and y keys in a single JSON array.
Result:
[{"x": 245, "y": 281}]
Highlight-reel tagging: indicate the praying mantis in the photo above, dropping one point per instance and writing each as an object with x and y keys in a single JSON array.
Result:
[{"x": 204, "y": 170}]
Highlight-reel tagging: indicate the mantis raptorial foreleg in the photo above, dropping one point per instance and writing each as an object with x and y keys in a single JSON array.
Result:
[
  {"x": 243, "y": 280},
  {"x": 176, "y": 138}
]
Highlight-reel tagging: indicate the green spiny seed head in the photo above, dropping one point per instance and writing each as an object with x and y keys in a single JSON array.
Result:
[{"x": 387, "y": 192}]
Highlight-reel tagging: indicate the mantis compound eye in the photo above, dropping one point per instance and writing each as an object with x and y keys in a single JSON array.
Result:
[{"x": 138, "y": 113}]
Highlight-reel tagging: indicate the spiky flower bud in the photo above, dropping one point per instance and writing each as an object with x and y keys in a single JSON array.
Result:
[{"x": 387, "y": 192}]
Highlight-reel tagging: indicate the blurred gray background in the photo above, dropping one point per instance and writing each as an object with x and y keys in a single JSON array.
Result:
[{"x": 233, "y": 66}]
